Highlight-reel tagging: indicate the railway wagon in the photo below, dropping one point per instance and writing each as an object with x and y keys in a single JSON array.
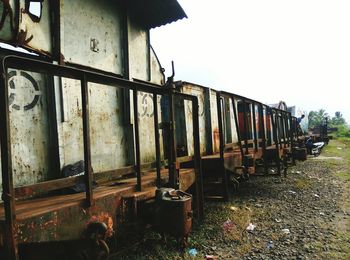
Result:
[
  {"x": 91, "y": 114},
  {"x": 85, "y": 138},
  {"x": 237, "y": 134}
]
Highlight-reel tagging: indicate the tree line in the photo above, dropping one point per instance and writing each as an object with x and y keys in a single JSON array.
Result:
[{"x": 320, "y": 117}]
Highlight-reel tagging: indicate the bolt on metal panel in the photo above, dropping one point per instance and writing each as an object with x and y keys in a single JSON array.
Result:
[{"x": 91, "y": 34}]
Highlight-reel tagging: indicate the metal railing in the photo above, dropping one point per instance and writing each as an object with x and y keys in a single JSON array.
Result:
[{"x": 85, "y": 77}]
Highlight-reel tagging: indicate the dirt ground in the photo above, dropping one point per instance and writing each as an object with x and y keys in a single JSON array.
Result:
[{"x": 303, "y": 216}]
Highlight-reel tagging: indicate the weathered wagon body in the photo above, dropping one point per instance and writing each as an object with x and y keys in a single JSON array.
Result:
[
  {"x": 90, "y": 113},
  {"x": 236, "y": 135},
  {"x": 91, "y": 93}
]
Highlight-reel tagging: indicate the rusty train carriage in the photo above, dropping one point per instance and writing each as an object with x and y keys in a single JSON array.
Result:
[
  {"x": 97, "y": 93},
  {"x": 57, "y": 115},
  {"x": 38, "y": 220},
  {"x": 236, "y": 135}
]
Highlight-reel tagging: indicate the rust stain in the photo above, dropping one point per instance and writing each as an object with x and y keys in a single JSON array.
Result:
[
  {"x": 22, "y": 38},
  {"x": 105, "y": 218},
  {"x": 216, "y": 135}
]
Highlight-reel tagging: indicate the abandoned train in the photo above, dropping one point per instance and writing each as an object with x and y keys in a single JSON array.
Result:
[{"x": 91, "y": 132}]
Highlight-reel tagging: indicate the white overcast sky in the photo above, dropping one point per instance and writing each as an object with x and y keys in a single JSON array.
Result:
[{"x": 269, "y": 50}]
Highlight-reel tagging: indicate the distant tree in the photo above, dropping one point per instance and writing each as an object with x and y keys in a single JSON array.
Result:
[
  {"x": 317, "y": 117},
  {"x": 338, "y": 119}
]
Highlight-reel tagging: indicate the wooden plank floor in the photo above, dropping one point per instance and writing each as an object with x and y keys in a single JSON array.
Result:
[{"x": 35, "y": 207}]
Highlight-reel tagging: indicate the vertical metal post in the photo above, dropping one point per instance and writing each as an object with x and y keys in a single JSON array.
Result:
[
  {"x": 8, "y": 195},
  {"x": 208, "y": 125},
  {"x": 291, "y": 129},
  {"x": 283, "y": 118},
  {"x": 156, "y": 138},
  {"x": 197, "y": 159},
  {"x": 274, "y": 129},
  {"x": 263, "y": 136},
  {"x": 237, "y": 126},
  {"x": 245, "y": 126},
  {"x": 87, "y": 144},
  {"x": 254, "y": 128},
  {"x": 54, "y": 163},
  {"x": 173, "y": 173},
  {"x": 137, "y": 141},
  {"x": 222, "y": 146}
]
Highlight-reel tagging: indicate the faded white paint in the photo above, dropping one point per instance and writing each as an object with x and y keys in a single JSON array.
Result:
[
  {"x": 157, "y": 75},
  {"x": 233, "y": 123},
  {"x": 199, "y": 92},
  {"x": 146, "y": 126},
  {"x": 29, "y": 128},
  {"x": 139, "y": 51},
  {"x": 70, "y": 127},
  {"x": 91, "y": 34},
  {"x": 111, "y": 136}
]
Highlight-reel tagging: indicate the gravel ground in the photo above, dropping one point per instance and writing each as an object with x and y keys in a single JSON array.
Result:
[{"x": 303, "y": 216}]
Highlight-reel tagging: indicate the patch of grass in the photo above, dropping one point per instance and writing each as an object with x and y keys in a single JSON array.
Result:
[
  {"x": 302, "y": 184},
  {"x": 339, "y": 148},
  {"x": 343, "y": 175}
]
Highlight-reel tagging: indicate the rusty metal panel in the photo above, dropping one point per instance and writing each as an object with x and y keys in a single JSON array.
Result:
[
  {"x": 35, "y": 32},
  {"x": 70, "y": 127},
  {"x": 111, "y": 135},
  {"x": 91, "y": 34},
  {"x": 30, "y": 134},
  {"x": 214, "y": 121},
  {"x": 146, "y": 126},
  {"x": 27, "y": 28},
  {"x": 233, "y": 122},
  {"x": 9, "y": 21},
  {"x": 139, "y": 51},
  {"x": 68, "y": 223},
  {"x": 199, "y": 92}
]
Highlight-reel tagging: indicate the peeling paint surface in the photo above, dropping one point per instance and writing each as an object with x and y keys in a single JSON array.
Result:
[
  {"x": 29, "y": 127},
  {"x": 146, "y": 126},
  {"x": 111, "y": 135},
  {"x": 199, "y": 92},
  {"x": 98, "y": 46},
  {"x": 70, "y": 126},
  {"x": 139, "y": 52}
]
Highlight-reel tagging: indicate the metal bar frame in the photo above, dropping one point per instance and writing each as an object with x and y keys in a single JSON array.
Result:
[
  {"x": 8, "y": 193},
  {"x": 85, "y": 76},
  {"x": 222, "y": 144},
  {"x": 275, "y": 137},
  {"x": 86, "y": 139},
  {"x": 156, "y": 138},
  {"x": 263, "y": 134},
  {"x": 254, "y": 128}
]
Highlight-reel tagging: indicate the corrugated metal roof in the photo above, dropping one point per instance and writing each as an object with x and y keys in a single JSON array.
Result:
[{"x": 154, "y": 13}]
